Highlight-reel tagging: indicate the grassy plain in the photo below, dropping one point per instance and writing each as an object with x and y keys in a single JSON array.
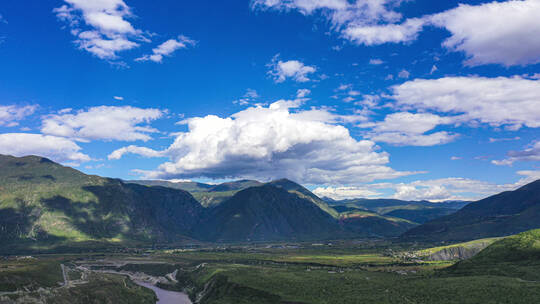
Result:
[{"x": 287, "y": 273}]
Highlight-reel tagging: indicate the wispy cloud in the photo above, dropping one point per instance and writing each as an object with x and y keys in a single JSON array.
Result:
[
  {"x": 531, "y": 153},
  {"x": 12, "y": 114},
  {"x": 103, "y": 123},
  {"x": 167, "y": 48}
]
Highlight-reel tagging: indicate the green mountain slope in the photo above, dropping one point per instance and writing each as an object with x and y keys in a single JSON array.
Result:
[
  {"x": 514, "y": 256},
  {"x": 503, "y": 214},
  {"x": 267, "y": 213},
  {"x": 45, "y": 205},
  {"x": 302, "y": 192}
]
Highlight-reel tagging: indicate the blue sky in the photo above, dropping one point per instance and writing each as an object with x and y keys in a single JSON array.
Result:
[{"x": 369, "y": 98}]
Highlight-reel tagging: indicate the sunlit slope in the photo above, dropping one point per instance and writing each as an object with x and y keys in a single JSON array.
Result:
[
  {"x": 515, "y": 256},
  {"x": 44, "y": 204}
]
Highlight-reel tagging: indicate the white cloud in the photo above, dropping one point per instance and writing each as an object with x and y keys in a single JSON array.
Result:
[
  {"x": 406, "y": 122},
  {"x": 367, "y": 22},
  {"x": 492, "y": 140},
  {"x": 11, "y": 115},
  {"x": 167, "y": 48},
  {"x": 387, "y": 33},
  {"x": 376, "y": 61},
  {"x": 455, "y": 158},
  {"x": 404, "y": 74},
  {"x": 301, "y": 93},
  {"x": 273, "y": 142},
  {"x": 502, "y": 101},
  {"x": 344, "y": 87},
  {"x": 103, "y": 123},
  {"x": 369, "y": 101},
  {"x": 479, "y": 32},
  {"x": 101, "y": 27},
  {"x": 341, "y": 193},
  {"x": 143, "y": 151},
  {"x": 435, "y": 190},
  {"x": 408, "y": 129},
  {"x": 476, "y": 30},
  {"x": 433, "y": 69},
  {"x": 250, "y": 96},
  {"x": 532, "y": 153},
  {"x": 430, "y": 193},
  {"x": 339, "y": 12},
  {"x": 457, "y": 188},
  {"x": 56, "y": 148},
  {"x": 294, "y": 69},
  {"x": 305, "y": 7},
  {"x": 119, "y": 98},
  {"x": 411, "y": 139},
  {"x": 251, "y": 93}
]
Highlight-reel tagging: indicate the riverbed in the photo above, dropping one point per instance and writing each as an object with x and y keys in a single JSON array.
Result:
[{"x": 166, "y": 296}]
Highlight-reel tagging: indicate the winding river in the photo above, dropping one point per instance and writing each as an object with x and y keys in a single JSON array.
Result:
[{"x": 166, "y": 296}]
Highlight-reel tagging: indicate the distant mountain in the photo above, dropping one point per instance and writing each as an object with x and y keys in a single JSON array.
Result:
[
  {"x": 369, "y": 224},
  {"x": 186, "y": 186},
  {"x": 415, "y": 211},
  {"x": 234, "y": 186},
  {"x": 420, "y": 215},
  {"x": 383, "y": 206},
  {"x": 267, "y": 213},
  {"x": 503, "y": 214},
  {"x": 44, "y": 205}
]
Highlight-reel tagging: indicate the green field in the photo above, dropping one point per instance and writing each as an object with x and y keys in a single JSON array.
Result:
[{"x": 342, "y": 272}]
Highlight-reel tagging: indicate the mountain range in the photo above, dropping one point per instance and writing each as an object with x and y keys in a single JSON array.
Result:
[
  {"x": 44, "y": 206},
  {"x": 506, "y": 213}
]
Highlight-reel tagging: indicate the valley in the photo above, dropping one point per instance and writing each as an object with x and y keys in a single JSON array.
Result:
[
  {"x": 337, "y": 272},
  {"x": 68, "y": 237}
]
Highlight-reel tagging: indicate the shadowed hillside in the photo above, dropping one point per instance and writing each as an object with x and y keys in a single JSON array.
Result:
[
  {"x": 503, "y": 214},
  {"x": 267, "y": 213}
]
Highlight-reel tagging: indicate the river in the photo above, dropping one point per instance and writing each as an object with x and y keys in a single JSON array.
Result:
[{"x": 166, "y": 296}]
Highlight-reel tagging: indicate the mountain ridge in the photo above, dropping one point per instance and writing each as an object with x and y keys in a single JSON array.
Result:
[{"x": 502, "y": 214}]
